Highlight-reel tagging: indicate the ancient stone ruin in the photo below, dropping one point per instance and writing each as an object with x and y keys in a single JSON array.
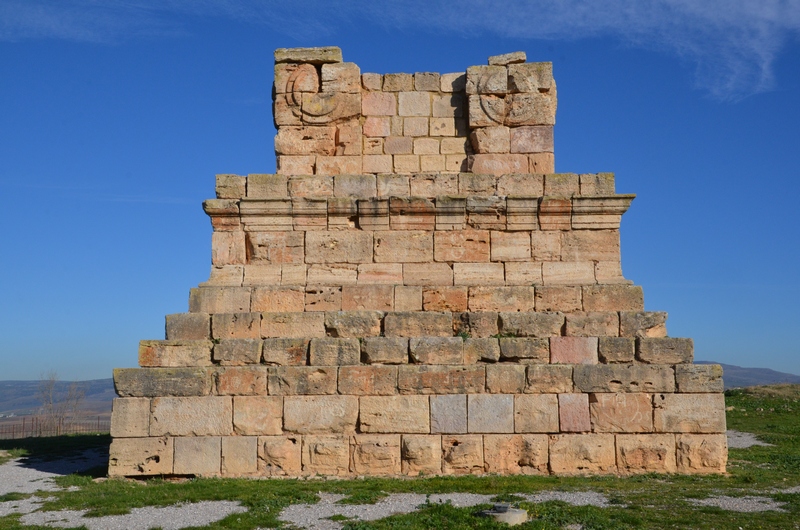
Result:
[{"x": 416, "y": 292}]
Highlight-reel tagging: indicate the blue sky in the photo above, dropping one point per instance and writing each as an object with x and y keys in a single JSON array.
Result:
[{"x": 116, "y": 114}]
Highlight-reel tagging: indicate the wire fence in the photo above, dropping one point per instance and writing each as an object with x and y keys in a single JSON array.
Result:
[{"x": 34, "y": 426}]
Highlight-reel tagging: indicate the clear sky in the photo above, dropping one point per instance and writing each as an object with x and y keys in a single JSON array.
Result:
[{"x": 115, "y": 115}]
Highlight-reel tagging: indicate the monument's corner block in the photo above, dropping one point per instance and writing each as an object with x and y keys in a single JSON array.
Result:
[{"x": 416, "y": 290}]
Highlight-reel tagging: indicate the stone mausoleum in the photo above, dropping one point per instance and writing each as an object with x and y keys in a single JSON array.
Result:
[{"x": 416, "y": 291}]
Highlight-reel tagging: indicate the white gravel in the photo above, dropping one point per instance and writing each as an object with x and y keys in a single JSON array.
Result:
[
  {"x": 740, "y": 504},
  {"x": 30, "y": 475},
  {"x": 743, "y": 440}
]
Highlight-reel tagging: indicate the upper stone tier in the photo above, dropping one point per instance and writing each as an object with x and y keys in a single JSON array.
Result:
[{"x": 333, "y": 120}]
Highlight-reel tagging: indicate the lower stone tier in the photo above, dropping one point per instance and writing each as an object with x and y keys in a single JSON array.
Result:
[{"x": 418, "y": 454}]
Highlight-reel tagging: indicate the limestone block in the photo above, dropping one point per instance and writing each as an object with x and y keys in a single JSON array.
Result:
[
  {"x": 522, "y": 213},
  {"x": 236, "y": 325},
  {"x": 292, "y": 325},
  {"x": 555, "y": 213},
  {"x": 384, "y": 350},
  {"x": 320, "y": 414},
  {"x": 546, "y": 245},
  {"x": 507, "y": 58},
  {"x": 573, "y": 350},
  {"x": 599, "y": 212},
  {"x": 263, "y": 274},
  {"x": 310, "y": 186},
  {"x": 285, "y": 352},
  {"x": 487, "y": 80},
  {"x": 701, "y": 453},
  {"x": 224, "y": 214},
  {"x": 444, "y": 299},
  {"x": 613, "y": 298},
  {"x": 372, "y": 81},
  {"x": 524, "y": 185},
  {"x": 449, "y": 105},
  {"x": 305, "y": 141},
  {"x": 609, "y": 272},
  {"x": 443, "y": 127},
  {"x": 530, "y": 77},
  {"x": 368, "y": 380},
  {"x": 548, "y": 378},
  {"x": 690, "y": 413},
  {"x": 536, "y": 413},
  {"x": 642, "y": 324},
  {"x": 239, "y": 456},
  {"x": 378, "y": 104},
  {"x": 188, "y": 326},
  {"x": 377, "y": 126},
  {"x": 431, "y": 379},
  {"x": 593, "y": 324},
  {"x": 338, "y": 247},
  {"x": 580, "y": 454},
  {"x": 590, "y": 245},
  {"x": 478, "y": 274},
  {"x": 380, "y": 273},
  {"x": 646, "y": 453},
  {"x": 227, "y": 275},
  {"x": 404, "y": 246},
  {"x": 342, "y": 213},
  {"x": 435, "y": 184},
  {"x": 319, "y": 274},
  {"x": 361, "y": 186},
  {"x": 412, "y": 213},
  {"x": 478, "y": 325},
  {"x": 275, "y": 247},
  {"x": 140, "y": 457},
  {"x": 573, "y": 413},
  {"x": 490, "y": 413},
  {"x": 294, "y": 165},
  {"x": 334, "y": 352},
  {"x": 191, "y": 416},
  {"x": 320, "y": 55},
  {"x": 455, "y": 82},
  {"x": 624, "y": 378},
  {"x": 277, "y": 299},
  {"x": 326, "y": 455},
  {"x": 279, "y": 456},
  {"x": 558, "y": 298},
  {"x": 394, "y": 414},
  {"x": 436, "y": 350},
  {"x": 302, "y": 380},
  {"x": 664, "y": 350},
  {"x": 515, "y": 454},
  {"x": 499, "y": 164},
  {"x": 523, "y": 273},
  {"x": 227, "y": 248},
  {"x": 230, "y": 186},
  {"x": 418, "y": 324},
  {"x": 621, "y": 412},
  {"x": 149, "y": 382},
  {"x": 454, "y": 147},
  {"x": 368, "y": 297},
  {"x": 322, "y": 298},
  {"x": 406, "y": 163},
  {"x": 293, "y": 274},
  {"x": 398, "y": 82},
  {"x": 373, "y": 214},
  {"x": 392, "y": 185},
  {"x": 418, "y": 126},
  {"x": 462, "y": 454},
  {"x": 511, "y": 246},
  {"x": 355, "y": 324},
  {"x": 408, "y": 298},
  {"x": 310, "y": 213},
  {"x": 524, "y": 350},
  {"x": 175, "y": 353},
  {"x": 449, "y": 414},
  {"x": 130, "y": 417},
  {"x": 474, "y": 184},
  {"x": 561, "y": 184},
  {"x": 398, "y": 145},
  {"x": 266, "y": 214},
  {"x": 421, "y": 454},
  {"x": 341, "y": 77},
  {"x": 616, "y": 349},
  {"x": 490, "y": 139},
  {"x": 414, "y": 104},
  {"x": 257, "y": 415},
  {"x": 461, "y": 245},
  {"x": 505, "y": 378},
  {"x": 375, "y": 454},
  {"x": 500, "y": 298},
  {"x": 597, "y": 184},
  {"x": 325, "y": 108},
  {"x": 241, "y": 381},
  {"x": 481, "y": 350},
  {"x": 698, "y": 378},
  {"x": 567, "y": 272},
  {"x": 536, "y": 139},
  {"x": 263, "y": 186},
  {"x": 528, "y": 324}
]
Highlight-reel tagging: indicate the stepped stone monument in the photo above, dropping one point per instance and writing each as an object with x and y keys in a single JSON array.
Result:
[{"x": 416, "y": 291}]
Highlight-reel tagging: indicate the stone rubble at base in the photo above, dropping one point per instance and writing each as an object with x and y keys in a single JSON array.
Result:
[{"x": 416, "y": 292}]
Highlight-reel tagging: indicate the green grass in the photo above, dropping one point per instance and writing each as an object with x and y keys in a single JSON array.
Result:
[{"x": 646, "y": 502}]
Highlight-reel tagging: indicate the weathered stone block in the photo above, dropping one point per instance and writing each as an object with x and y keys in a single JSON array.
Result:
[
  {"x": 436, "y": 350},
  {"x": 230, "y": 186},
  {"x": 368, "y": 380},
  {"x": 227, "y": 248},
  {"x": 624, "y": 378},
  {"x": 580, "y": 454},
  {"x": 511, "y": 246},
  {"x": 130, "y": 417},
  {"x": 698, "y": 378},
  {"x": 384, "y": 350},
  {"x": 490, "y": 413},
  {"x": 421, "y": 454},
  {"x": 646, "y": 453},
  {"x": 257, "y": 415},
  {"x": 407, "y": 298},
  {"x": 621, "y": 412},
  {"x": 338, "y": 247},
  {"x": 404, "y": 246},
  {"x": 241, "y": 380},
  {"x": 357, "y": 324},
  {"x": 341, "y": 77},
  {"x": 323, "y": 298},
  {"x": 494, "y": 139},
  {"x": 616, "y": 349},
  {"x": 413, "y": 213},
  {"x": 293, "y": 165},
  {"x": 536, "y": 413},
  {"x": 642, "y": 324},
  {"x": 690, "y": 413},
  {"x": 310, "y": 213},
  {"x": 275, "y": 247},
  {"x": 548, "y": 378},
  {"x": 501, "y": 298},
  {"x": 451, "y": 214},
  {"x": 701, "y": 453},
  {"x": 277, "y": 299},
  {"x": 326, "y": 455},
  {"x": 555, "y": 213},
  {"x": 478, "y": 274},
  {"x": 188, "y": 326},
  {"x": 483, "y": 324},
  {"x": 428, "y": 379},
  {"x": 597, "y": 184},
  {"x": 505, "y": 378},
  {"x": 175, "y": 353},
  {"x": 191, "y": 416},
  {"x": 264, "y": 275},
  {"x": 462, "y": 454},
  {"x": 573, "y": 350},
  {"x": 292, "y": 325},
  {"x": 334, "y": 352},
  {"x": 573, "y": 413},
  {"x": 613, "y": 298},
  {"x": 368, "y": 297},
  {"x": 319, "y": 274},
  {"x": 461, "y": 246},
  {"x": 515, "y": 454},
  {"x": 236, "y": 326},
  {"x": 279, "y": 456},
  {"x": 524, "y": 350},
  {"x": 301, "y": 380},
  {"x": 413, "y": 104},
  {"x": 567, "y": 272},
  {"x": 487, "y": 212},
  {"x": 445, "y": 299},
  {"x": 481, "y": 350},
  {"x": 552, "y": 298},
  {"x": 532, "y": 139},
  {"x": 373, "y": 214},
  {"x": 219, "y": 299},
  {"x": 285, "y": 352},
  {"x": 380, "y": 273},
  {"x": 394, "y": 414},
  {"x": 664, "y": 350},
  {"x": 530, "y": 324},
  {"x": 418, "y": 324},
  {"x": 310, "y": 186},
  {"x": 427, "y": 274},
  {"x": 140, "y": 457},
  {"x": 376, "y": 454},
  {"x": 239, "y": 456},
  {"x": 593, "y": 324},
  {"x": 320, "y": 414},
  {"x": 151, "y": 382},
  {"x": 449, "y": 414}
]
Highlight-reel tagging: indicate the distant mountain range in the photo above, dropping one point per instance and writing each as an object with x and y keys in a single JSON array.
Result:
[{"x": 21, "y": 397}]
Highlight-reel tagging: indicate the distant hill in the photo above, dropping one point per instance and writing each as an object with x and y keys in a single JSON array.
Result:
[
  {"x": 21, "y": 397},
  {"x": 737, "y": 376}
]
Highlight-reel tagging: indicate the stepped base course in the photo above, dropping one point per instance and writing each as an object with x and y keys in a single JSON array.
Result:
[{"x": 416, "y": 292}]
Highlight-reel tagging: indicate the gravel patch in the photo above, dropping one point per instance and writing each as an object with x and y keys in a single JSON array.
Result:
[
  {"x": 166, "y": 517},
  {"x": 747, "y": 503},
  {"x": 22, "y": 506},
  {"x": 743, "y": 440},
  {"x": 575, "y": 498},
  {"x": 27, "y": 475}
]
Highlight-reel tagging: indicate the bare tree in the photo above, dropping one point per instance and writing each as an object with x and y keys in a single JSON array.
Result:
[{"x": 58, "y": 408}]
